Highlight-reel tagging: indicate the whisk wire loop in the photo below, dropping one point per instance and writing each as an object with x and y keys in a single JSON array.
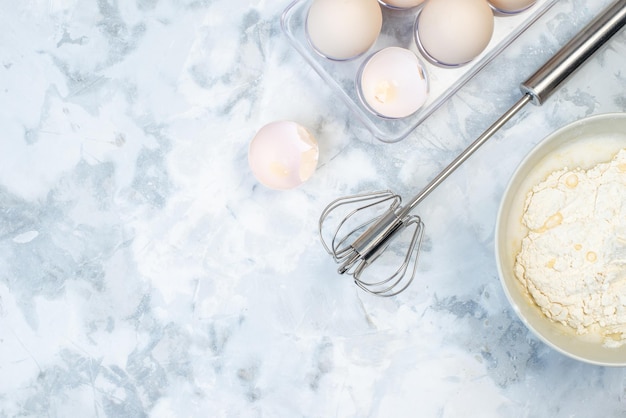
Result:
[
  {"x": 367, "y": 224},
  {"x": 340, "y": 245},
  {"x": 399, "y": 280}
]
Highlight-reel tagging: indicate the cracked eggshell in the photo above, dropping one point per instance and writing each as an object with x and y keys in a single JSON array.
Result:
[
  {"x": 393, "y": 83},
  {"x": 282, "y": 155}
]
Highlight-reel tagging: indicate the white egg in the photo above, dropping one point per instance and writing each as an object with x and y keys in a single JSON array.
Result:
[
  {"x": 511, "y": 6},
  {"x": 283, "y": 155},
  {"x": 393, "y": 83},
  {"x": 454, "y": 32},
  {"x": 343, "y": 29},
  {"x": 401, "y": 4}
]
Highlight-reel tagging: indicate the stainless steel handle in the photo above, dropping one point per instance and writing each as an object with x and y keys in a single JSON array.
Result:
[
  {"x": 541, "y": 84},
  {"x": 545, "y": 81}
]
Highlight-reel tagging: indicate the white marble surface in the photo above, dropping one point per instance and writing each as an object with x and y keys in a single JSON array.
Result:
[{"x": 144, "y": 271}]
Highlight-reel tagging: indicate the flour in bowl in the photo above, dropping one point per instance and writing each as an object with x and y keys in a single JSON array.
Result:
[{"x": 573, "y": 259}]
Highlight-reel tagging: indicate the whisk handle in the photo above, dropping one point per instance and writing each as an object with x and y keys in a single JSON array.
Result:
[{"x": 544, "y": 81}]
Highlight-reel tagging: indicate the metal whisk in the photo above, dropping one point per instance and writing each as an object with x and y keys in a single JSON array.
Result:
[{"x": 372, "y": 220}]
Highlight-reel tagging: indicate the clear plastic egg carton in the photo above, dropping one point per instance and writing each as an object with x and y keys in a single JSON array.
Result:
[{"x": 398, "y": 30}]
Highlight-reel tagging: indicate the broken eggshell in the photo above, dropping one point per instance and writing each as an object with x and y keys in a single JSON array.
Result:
[{"x": 282, "y": 155}]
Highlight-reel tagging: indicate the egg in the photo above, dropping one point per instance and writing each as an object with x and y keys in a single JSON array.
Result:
[
  {"x": 282, "y": 155},
  {"x": 343, "y": 29},
  {"x": 401, "y": 4},
  {"x": 393, "y": 83},
  {"x": 511, "y": 6},
  {"x": 454, "y": 32}
]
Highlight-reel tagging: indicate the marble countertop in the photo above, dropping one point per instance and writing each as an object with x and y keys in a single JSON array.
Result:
[{"x": 145, "y": 272}]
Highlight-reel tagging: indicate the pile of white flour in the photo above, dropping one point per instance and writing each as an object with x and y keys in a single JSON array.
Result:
[{"x": 573, "y": 259}]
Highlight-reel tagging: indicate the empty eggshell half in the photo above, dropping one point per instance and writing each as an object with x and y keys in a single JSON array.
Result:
[
  {"x": 343, "y": 29},
  {"x": 283, "y": 155},
  {"x": 454, "y": 32},
  {"x": 393, "y": 83}
]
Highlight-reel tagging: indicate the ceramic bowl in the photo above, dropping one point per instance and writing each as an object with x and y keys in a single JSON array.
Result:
[{"x": 584, "y": 144}]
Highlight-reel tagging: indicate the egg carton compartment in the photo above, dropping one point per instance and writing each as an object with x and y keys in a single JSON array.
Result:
[{"x": 398, "y": 30}]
